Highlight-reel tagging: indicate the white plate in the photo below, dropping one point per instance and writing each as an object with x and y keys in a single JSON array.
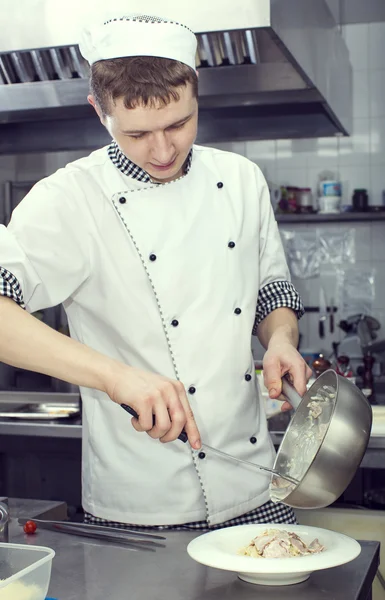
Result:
[{"x": 219, "y": 548}]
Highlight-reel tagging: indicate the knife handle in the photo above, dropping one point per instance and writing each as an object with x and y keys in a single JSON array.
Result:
[
  {"x": 182, "y": 436},
  {"x": 321, "y": 328}
]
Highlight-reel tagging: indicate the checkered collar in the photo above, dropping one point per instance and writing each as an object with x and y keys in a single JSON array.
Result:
[{"x": 129, "y": 168}]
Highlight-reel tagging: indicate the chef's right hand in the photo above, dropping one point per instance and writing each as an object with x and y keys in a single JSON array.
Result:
[{"x": 151, "y": 394}]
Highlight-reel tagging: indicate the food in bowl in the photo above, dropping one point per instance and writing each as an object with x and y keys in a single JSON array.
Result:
[{"x": 279, "y": 543}]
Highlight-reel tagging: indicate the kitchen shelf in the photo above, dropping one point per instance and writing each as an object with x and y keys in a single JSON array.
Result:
[{"x": 331, "y": 217}]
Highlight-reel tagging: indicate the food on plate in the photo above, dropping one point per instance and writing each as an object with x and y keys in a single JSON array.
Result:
[{"x": 279, "y": 543}]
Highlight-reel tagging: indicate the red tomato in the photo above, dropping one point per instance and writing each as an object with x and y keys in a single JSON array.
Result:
[{"x": 30, "y": 527}]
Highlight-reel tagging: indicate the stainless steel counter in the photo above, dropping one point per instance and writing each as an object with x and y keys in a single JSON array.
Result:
[
  {"x": 64, "y": 428},
  {"x": 53, "y": 429},
  {"x": 85, "y": 570}
]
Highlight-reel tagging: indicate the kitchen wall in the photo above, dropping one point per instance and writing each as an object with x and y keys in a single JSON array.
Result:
[{"x": 359, "y": 161}]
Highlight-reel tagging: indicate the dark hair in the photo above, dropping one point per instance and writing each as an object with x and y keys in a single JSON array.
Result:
[{"x": 139, "y": 80}]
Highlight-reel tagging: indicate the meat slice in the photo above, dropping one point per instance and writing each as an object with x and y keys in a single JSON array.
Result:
[
  {"x": 315, "y": 547},
  {"x": 276, "y": 550}
]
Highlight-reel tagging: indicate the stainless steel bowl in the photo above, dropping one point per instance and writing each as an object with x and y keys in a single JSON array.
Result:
[{"x": 339, "y": 455}]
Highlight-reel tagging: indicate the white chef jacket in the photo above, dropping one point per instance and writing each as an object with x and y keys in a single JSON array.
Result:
[{"x": 164, "y": 278}]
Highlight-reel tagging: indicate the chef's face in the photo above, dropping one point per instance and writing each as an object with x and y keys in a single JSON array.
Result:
[{"x": 156, "y": 138}]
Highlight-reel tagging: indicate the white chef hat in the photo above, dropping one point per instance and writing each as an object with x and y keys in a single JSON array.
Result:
[{"x": 138, "y": 35}]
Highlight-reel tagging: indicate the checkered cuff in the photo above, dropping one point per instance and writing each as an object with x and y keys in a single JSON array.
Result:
[
  {"x": 10, "y": 287},
  {"x": 274, "y": 295}
]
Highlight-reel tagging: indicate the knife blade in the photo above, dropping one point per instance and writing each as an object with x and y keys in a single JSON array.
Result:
[
  {"x": 322, "y": 312},
  {"x": 331, "y": 322}
]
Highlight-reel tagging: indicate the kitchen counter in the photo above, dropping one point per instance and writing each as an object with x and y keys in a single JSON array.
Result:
[
  {"x": 72, "y": 428},
  {"x": 93, "y": 570}
]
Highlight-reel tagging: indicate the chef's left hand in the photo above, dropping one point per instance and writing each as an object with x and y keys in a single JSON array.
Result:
[{"x": 281, "y": 358}]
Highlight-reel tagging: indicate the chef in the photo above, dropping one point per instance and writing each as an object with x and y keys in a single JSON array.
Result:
[{"x": 166, "y": 257}]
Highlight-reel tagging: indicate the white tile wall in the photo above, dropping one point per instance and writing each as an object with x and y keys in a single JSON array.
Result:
[
  {"x": 376, "y": 46},
  {"x": 359, "y": 160},
  {"x": 354, "y": 158},
  {"x": 357, "y": 41}
]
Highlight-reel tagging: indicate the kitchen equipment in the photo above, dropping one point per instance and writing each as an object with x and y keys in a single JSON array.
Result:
[
  {"x": 319, "y": 453},
  {"x": 322, "y": 451},
  {"x": 322, "y": 312},
  {"x": 331, "y": 316},
  {"x": 41, "y": 411},
  {"x": 262, "y": 76},
  {"x": 25, "y": 571},
  {"x": 183, "y": 438},
  {"x": 330, "y": 188},
  {"x": 305, "y": 200},
  {"x": 4, "y": 520},
  {"x": 69, "y": 526},
  {"x": 360, "y": 200},
  {"x": 219, "y": 549},
  {"x": 329, "y": 204},
  {"x": 133, "y": 539},
  {"x": 320, "y": 365},
  {"x": 360, "y": 338}
]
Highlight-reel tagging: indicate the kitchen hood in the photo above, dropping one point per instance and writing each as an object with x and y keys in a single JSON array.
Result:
[{"x": 268, "y": 69}]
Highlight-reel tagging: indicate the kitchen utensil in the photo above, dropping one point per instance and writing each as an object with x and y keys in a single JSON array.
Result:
[
  {"x": 40, "y": 411},
  {"x": 121, "y": 536},
  {"x": 183, "y": 438},
  {"x": 331, "y": 318},
  {"x": 319, "y": 453},
  {"x": 90, "y": 527},
  {"x": 323, "y": 452},
  {"x": 322, "y": 312}
]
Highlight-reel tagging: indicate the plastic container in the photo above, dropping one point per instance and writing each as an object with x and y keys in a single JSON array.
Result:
[
  {"x": 25, "y": 571},
  {"x": 329, "y": 204},
  {"x": 330, "y": 188},
  {"x": 305, "y": 200}
]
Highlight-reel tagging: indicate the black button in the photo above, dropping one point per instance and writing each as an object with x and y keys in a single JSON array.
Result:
[
  {"x": 192, "y": 390},
  {"x": 237, "y": 311},
  {"x": 174, "y": 323},
  {"x": 202, "y": 455},
  {"x": 231, "y": 244},
  {"x": 219, "y": 184},
  {"x": 248, "y": 377},
  {"x": 122, "y": 200},
  {"x": 152, "y": 257},
  {"x": 253, "y": 440}
]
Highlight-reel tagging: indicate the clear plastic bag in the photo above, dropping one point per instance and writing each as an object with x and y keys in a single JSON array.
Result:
[
  {"x": 337, "y": 247},
  {"x": 356, "y": 290},
  {"x": 302, "y": 252}
]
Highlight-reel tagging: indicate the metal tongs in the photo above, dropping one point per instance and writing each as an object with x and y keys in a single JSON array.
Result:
[
  {"x": 291, "y": 395},
  {"x": 136, "y": 540}
]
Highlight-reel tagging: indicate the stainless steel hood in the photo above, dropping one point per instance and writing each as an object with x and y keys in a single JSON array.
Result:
[{"x": 268, "y": 69}]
